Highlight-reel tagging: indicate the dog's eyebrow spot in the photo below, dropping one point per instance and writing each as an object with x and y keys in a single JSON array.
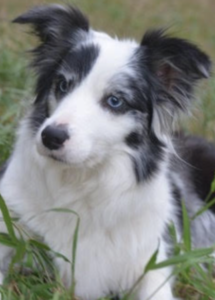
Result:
[{"x": 81, "y": 60}]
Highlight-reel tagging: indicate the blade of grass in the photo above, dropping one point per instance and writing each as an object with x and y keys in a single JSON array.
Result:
[
  {"x": 74, "y": 244},
  {"x": 186, "y": 228},
  {"x": 19, "y": 254},
  {"x": 203, "y": 209},
  {"x": 188, "y": 256},
  {"x": 149, "y": 266},
  {"x": 7, "y": 220}
]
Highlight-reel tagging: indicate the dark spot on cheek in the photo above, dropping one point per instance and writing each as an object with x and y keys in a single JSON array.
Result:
[
  {"x": 148, "y": 152},
  {"x": 134, "y": 139}
]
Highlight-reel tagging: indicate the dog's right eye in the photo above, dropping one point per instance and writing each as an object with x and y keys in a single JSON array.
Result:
[{"x": 62, "y": 86}]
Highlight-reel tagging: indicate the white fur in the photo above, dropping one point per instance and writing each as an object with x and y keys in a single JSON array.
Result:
[{"x": 118, "y": 233}]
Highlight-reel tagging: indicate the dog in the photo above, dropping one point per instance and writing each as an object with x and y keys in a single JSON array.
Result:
[{"x": 98, "y": 140}]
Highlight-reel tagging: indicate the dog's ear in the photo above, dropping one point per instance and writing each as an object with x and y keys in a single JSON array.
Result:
[
  {"x": 176, "y": 66},
  {"x": 59, "y": 28},
  {"x": 52, "y": 22}
]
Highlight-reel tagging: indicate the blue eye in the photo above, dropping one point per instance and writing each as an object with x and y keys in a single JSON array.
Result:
[{"x": 114, "y": 102}]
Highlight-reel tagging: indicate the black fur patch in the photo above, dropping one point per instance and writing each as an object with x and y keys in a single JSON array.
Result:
[
  {"x": 147, "y": 157},
  {"x": 178, "y": 198},
  {"x": 173, "y": 68},
  {"x": 39, "y": 114},
  {"x": 200, "y": 155},
  {"x": 134, "y": 140},
  {"x": 163, "y": 50},
  {"x": 79, "y": 62},
  {"x": 52, "y": 21}
]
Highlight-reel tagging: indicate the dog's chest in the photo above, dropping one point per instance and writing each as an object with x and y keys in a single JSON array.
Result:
[
  {"x": 117, "y": 233},
  {"x": 107, "y": 260}
]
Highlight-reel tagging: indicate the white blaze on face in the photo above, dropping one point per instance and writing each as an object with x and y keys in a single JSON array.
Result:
[{"x": 94, "y": 130}]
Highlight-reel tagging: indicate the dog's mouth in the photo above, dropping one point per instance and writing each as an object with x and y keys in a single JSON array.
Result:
[
  {"x": 52, "y": 155},
  {"x": 56, "y": 158}
]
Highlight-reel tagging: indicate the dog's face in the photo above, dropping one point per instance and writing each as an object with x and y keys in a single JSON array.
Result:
[
  {"x": 98, "y": 96},
  {"x": 91, "y": 108}
]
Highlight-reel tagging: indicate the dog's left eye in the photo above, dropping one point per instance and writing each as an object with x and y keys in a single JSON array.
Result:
[{"x": 114, "y": 102}]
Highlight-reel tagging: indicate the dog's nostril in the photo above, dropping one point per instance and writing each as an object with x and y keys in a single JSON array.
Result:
[{"x": 53, "y": 137}]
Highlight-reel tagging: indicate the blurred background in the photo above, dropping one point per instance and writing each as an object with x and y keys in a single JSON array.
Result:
[{"x": 193, "y": 19}]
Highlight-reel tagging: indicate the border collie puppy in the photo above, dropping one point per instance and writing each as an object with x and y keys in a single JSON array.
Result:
[{"x": 97, "y": 140}]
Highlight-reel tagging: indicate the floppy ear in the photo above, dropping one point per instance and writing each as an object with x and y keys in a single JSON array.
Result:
[
  {"x": 54, "y": 21},
  {"x": 176, "y": 66},
  {"x": 59, "y": 28}
]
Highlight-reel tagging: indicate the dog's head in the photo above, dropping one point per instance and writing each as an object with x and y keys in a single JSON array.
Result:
[{"x": 97, "y": 96}]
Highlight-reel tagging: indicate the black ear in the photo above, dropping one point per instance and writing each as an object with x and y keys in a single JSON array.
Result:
[
  {"x": 54, "y": 21},
  {"x": 176, "y": 65},
  {"x": 59, "y": 29}
]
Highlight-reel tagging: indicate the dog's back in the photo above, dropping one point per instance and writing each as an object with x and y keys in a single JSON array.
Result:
[{"x": 194, "y": 173}]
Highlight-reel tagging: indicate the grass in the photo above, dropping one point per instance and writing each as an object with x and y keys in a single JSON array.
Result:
[{"x": 193, "y": 20}]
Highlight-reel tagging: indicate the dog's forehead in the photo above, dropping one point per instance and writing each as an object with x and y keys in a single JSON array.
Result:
[
  {"x": 114, "y": 50},
  {"x": 99, "y": 54},
  {"x": 114, "y": 56},
  {"x": 100, "y": 35}
]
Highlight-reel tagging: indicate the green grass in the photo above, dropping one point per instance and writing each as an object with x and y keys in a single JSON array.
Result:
[{"x": 192, "y": 19}]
